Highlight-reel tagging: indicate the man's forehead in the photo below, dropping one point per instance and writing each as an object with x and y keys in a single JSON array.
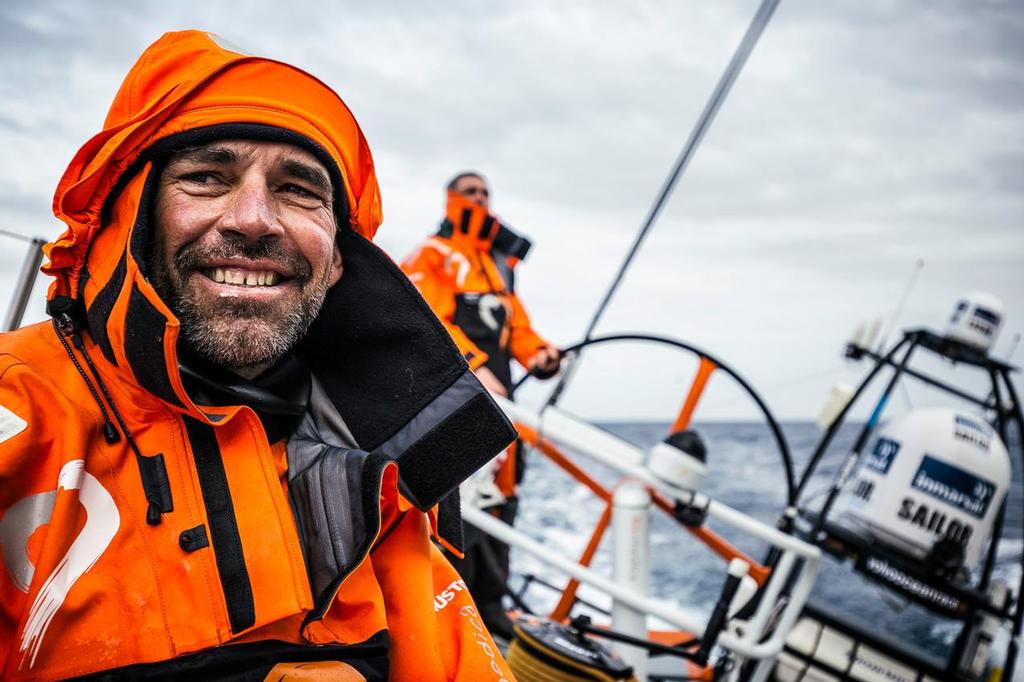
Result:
[
  {"x": 471, "y": 181},
  {"x": 275, "y": 156},
  {"x": 242, "y": 151}
]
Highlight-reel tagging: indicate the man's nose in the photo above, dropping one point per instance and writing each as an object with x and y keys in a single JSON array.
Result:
[{"x": 250, "y": 211}]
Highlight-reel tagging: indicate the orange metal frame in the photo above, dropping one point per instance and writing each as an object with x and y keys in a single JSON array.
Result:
[
  {"x": 712, "y": 540},
  {"x": 700, "y": 381},
  {"x": 716, "y": 543}
]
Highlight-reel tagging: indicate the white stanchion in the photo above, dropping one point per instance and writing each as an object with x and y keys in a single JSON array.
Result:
[{"x": 631, "y": 523}]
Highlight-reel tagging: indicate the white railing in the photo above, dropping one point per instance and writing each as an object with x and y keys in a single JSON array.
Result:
[{"x": 782, "y": 597}]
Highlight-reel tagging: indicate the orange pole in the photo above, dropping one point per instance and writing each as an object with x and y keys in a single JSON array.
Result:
[
  {"x": 556, "y": 456},
  {"x": 505, "y": 479},
  {"x": 700, "y": 380},
  {"x": 715, "y": 542},
  {"x": 564, "y": 606}
]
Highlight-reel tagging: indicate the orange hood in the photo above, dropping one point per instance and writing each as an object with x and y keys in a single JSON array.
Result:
[
  {"x": 191, "y": 80},
  {"x": 468, "y": 224}
]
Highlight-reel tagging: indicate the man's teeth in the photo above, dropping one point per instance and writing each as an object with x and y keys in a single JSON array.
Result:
[{"x": 249, "y": 278}]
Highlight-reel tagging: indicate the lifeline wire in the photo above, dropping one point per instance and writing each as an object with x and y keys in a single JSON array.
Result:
[{"x": 746, "y": 46}]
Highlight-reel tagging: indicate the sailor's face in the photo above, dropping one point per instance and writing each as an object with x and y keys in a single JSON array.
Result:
[
  {"x": 474, "y": 189},
  {"x": 245, "y": 249}
]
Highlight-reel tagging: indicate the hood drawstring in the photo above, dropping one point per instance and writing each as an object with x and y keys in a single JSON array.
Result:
[
  {"x": 109, "y": 432},
  {"x": 152, "y": 470}
]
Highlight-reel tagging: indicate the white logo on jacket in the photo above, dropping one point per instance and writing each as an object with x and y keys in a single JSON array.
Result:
[
  {"x": 489, "y": 306},
  {"x": 483, "y": 639},
  {"x": 101, "y": 524},
  {"x": 455, "y": 264},
  {"x": 10, "y": 424},
  {"x": 446, "y": 595}
]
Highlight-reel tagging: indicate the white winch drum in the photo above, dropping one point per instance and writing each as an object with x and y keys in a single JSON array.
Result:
[
  {"x": 681, "y": 459},
  {"x": 933, "y": 474},
  {"x": 674, "y": 466},
  {"x": 976, "y": 320}
]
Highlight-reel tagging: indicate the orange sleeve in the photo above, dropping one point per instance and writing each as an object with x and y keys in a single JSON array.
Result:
[
  {"x": 523, "y": 342},
  {"x": 426, "y": 270}
]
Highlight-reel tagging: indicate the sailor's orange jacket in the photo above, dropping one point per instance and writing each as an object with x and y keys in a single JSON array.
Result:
[
  {"x": 464, "y": 285},
  {"x": 146, "y": 535}
]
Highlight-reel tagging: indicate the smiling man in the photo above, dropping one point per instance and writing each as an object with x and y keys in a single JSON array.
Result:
[
  {"x": 230, "y": 453},
  {"x": 246, "y": 242}
]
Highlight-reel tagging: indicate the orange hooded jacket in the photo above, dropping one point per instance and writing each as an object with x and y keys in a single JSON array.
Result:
[
  {"x": 469, "y": 290},
  {"x": 150, "y": 533}
]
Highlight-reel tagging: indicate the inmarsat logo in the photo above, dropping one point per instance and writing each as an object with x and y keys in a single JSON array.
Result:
[
  {"x": 954, "y": 486},
  {"x": 880, "y": 458}
]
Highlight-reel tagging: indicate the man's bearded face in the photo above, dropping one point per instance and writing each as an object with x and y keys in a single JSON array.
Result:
[{"x": 245, "y": 249}]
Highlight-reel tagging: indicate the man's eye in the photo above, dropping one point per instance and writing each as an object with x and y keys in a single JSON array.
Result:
[
  {"x": 301, "y": 192},
  {"x": 199, "y": 178}
]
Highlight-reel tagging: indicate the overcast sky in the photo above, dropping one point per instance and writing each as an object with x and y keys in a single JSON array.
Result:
[{"x": 861, "y": 136}]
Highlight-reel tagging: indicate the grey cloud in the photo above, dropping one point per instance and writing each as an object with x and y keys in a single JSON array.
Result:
[{"x": 862, "y": 135}]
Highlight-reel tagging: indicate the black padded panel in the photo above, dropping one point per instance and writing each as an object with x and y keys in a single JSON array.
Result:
[
  {"x": 449, "y": 520},
  {"x": 428, "y": 468}
]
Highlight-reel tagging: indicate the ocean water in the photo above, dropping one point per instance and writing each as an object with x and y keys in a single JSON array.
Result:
[{"x": 745, "y": 472}]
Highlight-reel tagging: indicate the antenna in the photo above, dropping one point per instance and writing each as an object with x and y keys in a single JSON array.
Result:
[{"x": 918, "y": 266}]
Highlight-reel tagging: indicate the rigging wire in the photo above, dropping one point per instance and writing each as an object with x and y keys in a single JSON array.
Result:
[{"x": 732, "y": 71}]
